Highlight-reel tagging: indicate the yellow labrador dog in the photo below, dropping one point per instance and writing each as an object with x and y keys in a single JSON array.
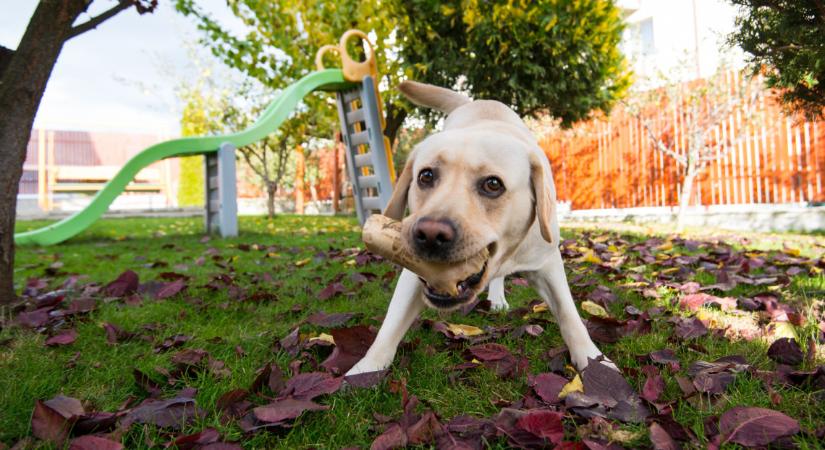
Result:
[{"x": 482, "y": 182}]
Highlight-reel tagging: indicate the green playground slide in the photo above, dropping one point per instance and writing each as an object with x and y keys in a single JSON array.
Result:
[{"x": 270, "y": 120}]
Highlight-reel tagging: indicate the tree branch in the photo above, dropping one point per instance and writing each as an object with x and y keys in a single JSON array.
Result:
[
  {"x": 100, "y": 18},
  {"x": 660, "y": 146}
]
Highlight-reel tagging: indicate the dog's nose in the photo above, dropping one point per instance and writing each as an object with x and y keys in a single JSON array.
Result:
[{"x": 432, "y": 237}]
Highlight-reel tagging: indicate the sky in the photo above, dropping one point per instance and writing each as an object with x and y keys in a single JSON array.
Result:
[{"x": 120, "y": 76}]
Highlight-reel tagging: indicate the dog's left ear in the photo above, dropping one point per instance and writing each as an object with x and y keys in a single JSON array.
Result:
[
  {"x": 398, "y": 202},
  {"x": 545, "y": 202}
]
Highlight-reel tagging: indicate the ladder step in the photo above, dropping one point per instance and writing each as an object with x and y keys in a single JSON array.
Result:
[
  {"x": 371, "y": 203},
  {"x": 363, "y": 159},
  {"x": 214, "y": 205},
  {"x": 354, "y": 94},
  {"x": 355, "y": 116},
  {"x": 368, "y": 181},
  {"x": 213, "y": 182},
  {"x": 360, "y": 138}
]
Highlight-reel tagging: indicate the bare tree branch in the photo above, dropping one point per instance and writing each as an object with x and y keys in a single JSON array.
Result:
[
  {"x": 98, "y": 19},
  {"x": 660, "y": 145}
]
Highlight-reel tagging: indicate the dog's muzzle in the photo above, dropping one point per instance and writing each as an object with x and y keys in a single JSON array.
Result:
[{"x": 467, "y": 290}]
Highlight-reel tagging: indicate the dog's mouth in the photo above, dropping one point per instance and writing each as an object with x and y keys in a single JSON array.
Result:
[{"x": 467, "y": 289}]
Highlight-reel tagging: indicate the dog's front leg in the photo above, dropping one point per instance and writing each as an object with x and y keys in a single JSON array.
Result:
[
  {"x": 495, "y": 293},
  {"x": 551, "y": 283},
  {"x": 405, "y": 306}
]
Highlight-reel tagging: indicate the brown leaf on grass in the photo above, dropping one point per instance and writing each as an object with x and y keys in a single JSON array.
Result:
[
  {"x": 307, "y": 386},
  {"x": 755, "y": 427},
  {"x": 172, "y": 342},
  {"x": 91, "y": 442},
  {"x": 548, "y": 386},
  {"x": 285, "y": 409},
  {"x": 115, "y": 334},
  {"x": 196, "y": 440},
  {"x": 654, "y": 384},
  {"x": 233, "y": 402},
  {"x": 497, "y": 358},
  {"x": 367, "y": 379},
  {"x": 393, "y": 437},
  {"x": 665, "y": 356},
  {"x": 786, "y": 351},
  {"x": 291, "y": 342},
  {"x": 173, "y": 413},
  {"x": 331, "y": 290},
  {"x": 126, "y": 283},
  {"x": 610, "y": 390},
  {"x": 52, "y": 419},
  {"x": 544, "y": 424},
  {"x": 690, "y": 328},
  {"x": 65, "y": 338},
  {"x": 322, "y": 319},
  {"x": 34, "y": 319},
  {"x": 661, "y": 439},
  {"x": 171, "y": 288},
  {"x": 351, "y": 344}
]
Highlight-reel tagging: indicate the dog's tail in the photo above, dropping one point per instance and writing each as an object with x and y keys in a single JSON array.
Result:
[{"x": 431, "y": 96}]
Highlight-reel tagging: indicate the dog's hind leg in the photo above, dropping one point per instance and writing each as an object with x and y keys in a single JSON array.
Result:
[
  {"x": 495, "y": 293},
  {"x": 551, "y": 284},
  {"x": 405, "y": 306}
]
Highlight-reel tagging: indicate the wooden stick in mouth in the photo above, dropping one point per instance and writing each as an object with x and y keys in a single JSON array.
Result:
[{"x": 382, "y": 236}]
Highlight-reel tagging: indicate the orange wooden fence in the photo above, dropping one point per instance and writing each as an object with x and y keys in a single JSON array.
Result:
[{"x": 610, "y": 162}]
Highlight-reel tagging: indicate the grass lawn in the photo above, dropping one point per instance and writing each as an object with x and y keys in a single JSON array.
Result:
[{"x": 277, "y": 270}]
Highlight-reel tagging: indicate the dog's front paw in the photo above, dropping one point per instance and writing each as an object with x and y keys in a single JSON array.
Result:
[
  {"x": 499, "y": 305},
  {"x": 368, "y": 364}
]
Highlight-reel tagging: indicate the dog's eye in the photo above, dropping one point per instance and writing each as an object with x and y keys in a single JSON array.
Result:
[
  {"x": 426, "y": 178},
  {"x": 492, "y": 187}
]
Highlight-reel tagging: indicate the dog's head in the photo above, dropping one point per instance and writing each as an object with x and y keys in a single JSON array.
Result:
[{"x": 480, "y": 183}]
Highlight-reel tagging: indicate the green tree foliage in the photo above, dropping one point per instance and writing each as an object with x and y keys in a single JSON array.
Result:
[
  {"x": 555, "y": 56},
  {"x": 786, "y": 37},
  {"x": 202, "y": 115}
]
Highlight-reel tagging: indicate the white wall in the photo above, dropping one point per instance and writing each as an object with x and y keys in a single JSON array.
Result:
[{"x": 677, "y": 27}]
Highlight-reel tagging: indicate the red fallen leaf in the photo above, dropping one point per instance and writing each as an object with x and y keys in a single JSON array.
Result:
[
  {"x": 322, "y": 319},
  {"x": 285, "y": 409},
  {"x": 170, "y": 289},
  {"x": 270, "y": 375},
  {"x": 654, "y": 384},
  {"x": 424, "y": 430},
  {"x": 543, "y": 424},
  {"x": 690, "y": 328},
  {"x": 393, "y": 437},
  {"x": 351, "y": 344},
  {"x": 489, "y": 352},
  {"x": 52, "y": 419},
  {"x": 190, "y": 357},
  {"x": 290, "y": 342},
  {"x": 786, "y": 351},
  {"x": 306, "y": 386},
  {"x": 125, "y": 284},
  {"x": 64, "y": 338},
  {"x": 609, "y": 388},
  {"x": 97, "y": 422},
  {"x": 221, "y": 446},
  {"x": 193, "y": 441},
  {"x": 34, "y": 319},
  {"x": 605, "y": 330},
  {"x": 114, "y": 334},
  {"x": 548, "y": 386},
  {"x": 172, "y": 342},
  {"x": 661, "y": 439},
  {"x": 229, "y": 401},
  {"x": 755, "y": 427},
  {"x": 666, "y": 356},
  {"x": 331, "y": 290},
  {"x": 367, "y": 379},
  {"x": 173, "y": 413},
  {"x": 91, "y": 442}
]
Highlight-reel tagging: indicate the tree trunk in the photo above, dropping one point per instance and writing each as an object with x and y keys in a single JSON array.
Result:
[
  {"x": 21, "y": 88},
  {"x": 271, "y": 189},
  {"x": 300, "y": 167},
  {"x": 685, "y": 196},
  {"x": 394, "y": 120}
]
